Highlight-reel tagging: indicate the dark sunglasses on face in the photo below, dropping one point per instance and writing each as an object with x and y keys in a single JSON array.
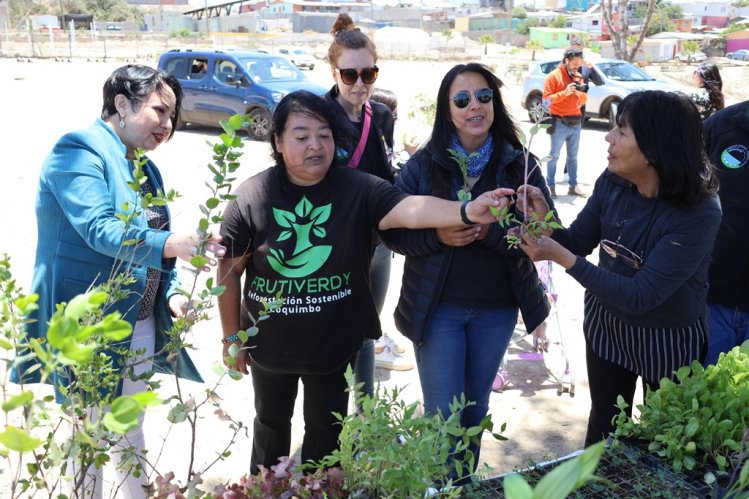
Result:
[
  {"x": 617, "y": 250},
  {"x": 367, "y": 75},
  {"x": 463, "y": 98}
]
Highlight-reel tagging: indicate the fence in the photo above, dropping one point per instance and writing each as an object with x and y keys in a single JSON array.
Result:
[{"x": 125, "y": 45}]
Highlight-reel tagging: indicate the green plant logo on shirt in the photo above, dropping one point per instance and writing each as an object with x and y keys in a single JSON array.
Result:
[{"x": 301, "y": 224}]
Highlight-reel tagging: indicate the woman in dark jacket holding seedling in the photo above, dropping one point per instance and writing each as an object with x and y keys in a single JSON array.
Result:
[
  {"x": 462, "y": 286},
  {"x": 655, "y": 214}
]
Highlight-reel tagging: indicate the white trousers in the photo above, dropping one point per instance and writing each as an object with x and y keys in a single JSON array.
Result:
[{"x": 118, "y": 475}]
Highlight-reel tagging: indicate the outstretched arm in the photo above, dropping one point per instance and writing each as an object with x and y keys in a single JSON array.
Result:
[{"x": 416, "y": 212}]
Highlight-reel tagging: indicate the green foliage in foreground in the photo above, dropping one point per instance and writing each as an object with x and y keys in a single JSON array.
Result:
[
  {"x": 388, "y": 450},
  {"x": 701, "y": 418},
  {"x": 565, "y": 478}
]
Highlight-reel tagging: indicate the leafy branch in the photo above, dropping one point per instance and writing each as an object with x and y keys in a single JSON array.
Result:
[
  {"x": 534, "y": 225},
  {"x": 461, "y": 158}
]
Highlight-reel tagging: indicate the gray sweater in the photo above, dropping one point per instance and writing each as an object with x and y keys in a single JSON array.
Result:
[{"x": 670, "y": 288}]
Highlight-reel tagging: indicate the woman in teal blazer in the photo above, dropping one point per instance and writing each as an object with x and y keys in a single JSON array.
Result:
[{"x": 82, "y": 187}]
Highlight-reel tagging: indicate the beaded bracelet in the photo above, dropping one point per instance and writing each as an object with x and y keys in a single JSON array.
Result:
[{"x": 230, "y": 339}]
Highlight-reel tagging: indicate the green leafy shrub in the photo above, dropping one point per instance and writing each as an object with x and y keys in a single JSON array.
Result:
[
  {"x": 388, "y": 450},
  {"x": 701, "y": 418}
]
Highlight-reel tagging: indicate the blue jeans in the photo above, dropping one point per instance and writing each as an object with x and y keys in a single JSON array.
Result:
[
  {"x": 461, "y": 354},
  {"x": 379, "y": 272},
  {"x": 569, "y": 135},
  {"x": 729, "y": 327}
]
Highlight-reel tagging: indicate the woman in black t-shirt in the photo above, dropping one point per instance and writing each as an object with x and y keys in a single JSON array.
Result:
[{"x": 303, "y": 230}]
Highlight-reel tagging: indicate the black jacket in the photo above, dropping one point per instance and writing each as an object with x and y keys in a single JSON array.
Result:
[
  {"x": 376, "y": 158},
  {"x": 727, "y": 145},
  {"x": 428, "y": 260}
]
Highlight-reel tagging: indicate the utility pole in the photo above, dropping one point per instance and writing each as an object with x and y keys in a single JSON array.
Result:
[
  {"x": 62, "y": 16},
  {"x": 508, "y": 4},
  {"x": 207, "y": 27}
]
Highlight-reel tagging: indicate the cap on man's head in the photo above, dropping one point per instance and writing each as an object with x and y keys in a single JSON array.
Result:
[{"x": 573, "y": 52}]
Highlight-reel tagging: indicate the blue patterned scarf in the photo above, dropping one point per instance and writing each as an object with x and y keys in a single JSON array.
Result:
[{"x": 477, "y": 160}]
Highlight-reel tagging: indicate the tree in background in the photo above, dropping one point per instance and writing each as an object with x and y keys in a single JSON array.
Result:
[
  {"x": 519, "y": 13},
  {"x": 559, "y": 22},
  {"x": 448, "y": 34},
  {"x": 690, "y": 47},
  {"x": 617, "y": 21},
  {"x": 485, "y": 40},
  {"x": 533, "y": 46},
  {"x": 525, "y": 26},
  {"x": 102, "y": 10},
  {"x": 663, "y": 17}
]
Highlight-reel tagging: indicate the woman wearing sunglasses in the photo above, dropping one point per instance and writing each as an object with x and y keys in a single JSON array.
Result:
[
  {"x": 654, "y": 213},
  {"x": 462, "y": 287},
  {"x": 353, "y": 58},
  {"x": 709, "y": 96}
]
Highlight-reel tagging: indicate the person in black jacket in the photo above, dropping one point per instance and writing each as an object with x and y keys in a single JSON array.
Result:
[
  {"x": 353, "y": 58},
  {"x": 727, "y": 146},
  {"x": 462, "y": 286}
]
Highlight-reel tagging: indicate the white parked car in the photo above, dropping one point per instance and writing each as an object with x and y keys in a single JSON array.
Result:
[
  {"x": 298, "y": 57},
  {"x": 611, "y": 80},
  {"x": 693, "y": 57}
]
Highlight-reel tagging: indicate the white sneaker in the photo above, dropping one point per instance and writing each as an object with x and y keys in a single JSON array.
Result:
[
  {"x": 387, "y": 341},
  {"x": 388, "y": 359}
]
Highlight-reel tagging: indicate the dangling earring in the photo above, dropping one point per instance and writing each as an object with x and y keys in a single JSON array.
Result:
[{"x": 122, "y": 123}]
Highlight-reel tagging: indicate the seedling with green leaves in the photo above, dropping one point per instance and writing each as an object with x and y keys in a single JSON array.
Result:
[
  {"x": 534, "y": 225},
  {"x": 699, "y": 419},
  {"x": 461, "y": 158}
]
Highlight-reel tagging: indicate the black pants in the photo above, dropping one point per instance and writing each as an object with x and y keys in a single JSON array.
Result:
[
  {"x": 607, "y": 380},
  {"x": 275, "y": 395}
]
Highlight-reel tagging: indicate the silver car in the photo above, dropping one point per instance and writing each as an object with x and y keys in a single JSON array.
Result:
[{"x": 611, "y": 80}]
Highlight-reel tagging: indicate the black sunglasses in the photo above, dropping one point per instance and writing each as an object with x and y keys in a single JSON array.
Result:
[
  {"x": 463, "y": 98},
  {"x": 618, "y": 250},
  {"x": 367, "y": 75}
]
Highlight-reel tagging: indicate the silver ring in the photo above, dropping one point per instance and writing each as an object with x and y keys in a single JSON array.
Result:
[{"x": 194, "y": 250}]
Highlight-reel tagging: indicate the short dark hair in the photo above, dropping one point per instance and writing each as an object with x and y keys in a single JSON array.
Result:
[
  {"x": 572, "y": 52},
  {"x": 386, "y": 97},
  {"x": 668, "y": 130},
  {"x": 308, "y": 104},
  {"x": 136, "y": 82}
]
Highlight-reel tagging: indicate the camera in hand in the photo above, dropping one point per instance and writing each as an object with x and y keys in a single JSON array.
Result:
[{"x": 581, "y": 87}]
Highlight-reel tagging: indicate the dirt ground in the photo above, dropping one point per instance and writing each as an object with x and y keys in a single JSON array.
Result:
[{"x": 45, "y": 99}]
